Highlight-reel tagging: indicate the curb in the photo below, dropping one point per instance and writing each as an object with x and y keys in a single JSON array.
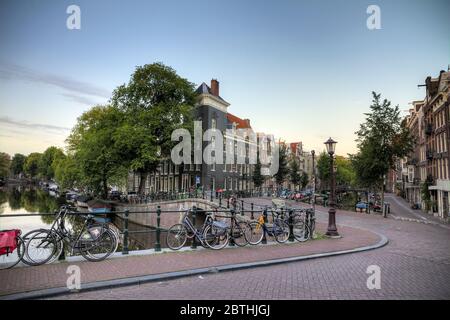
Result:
[{"x": 92, "y": 286}]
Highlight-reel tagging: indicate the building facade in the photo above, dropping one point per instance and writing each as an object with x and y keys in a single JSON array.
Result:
[
  {"x": 212, "y": 111},
  {"x": 429, "y": 123}
]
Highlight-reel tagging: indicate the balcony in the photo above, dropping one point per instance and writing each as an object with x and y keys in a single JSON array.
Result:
[{"x": 429, "y": 155}]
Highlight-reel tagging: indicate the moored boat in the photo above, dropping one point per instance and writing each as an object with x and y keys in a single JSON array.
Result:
[{"x": 99, "y": 206}]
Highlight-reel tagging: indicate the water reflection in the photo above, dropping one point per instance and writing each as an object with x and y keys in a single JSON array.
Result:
[{"x": 27, "y": 200}]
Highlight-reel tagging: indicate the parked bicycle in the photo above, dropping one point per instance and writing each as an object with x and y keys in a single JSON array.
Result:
[
  {"x": 94, "y": 241},
  {"x": 240, "y": 231},
  {"x": 213, "y": 234},
  {"x": 279, "y": 229},
  {"x": 12, "y": 248}
]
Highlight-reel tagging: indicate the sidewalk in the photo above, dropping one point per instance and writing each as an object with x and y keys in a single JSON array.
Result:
[{"x": 28, "y": 279}]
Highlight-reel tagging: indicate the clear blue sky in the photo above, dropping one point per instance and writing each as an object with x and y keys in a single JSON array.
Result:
[{"x": 303, "y": 70}]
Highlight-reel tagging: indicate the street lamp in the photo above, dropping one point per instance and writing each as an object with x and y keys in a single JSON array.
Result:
[{"x": 332, "y": 230}]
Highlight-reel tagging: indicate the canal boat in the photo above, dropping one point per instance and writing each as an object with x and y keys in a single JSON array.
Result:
[
  {"x": 82, "y": 201},
  {"x": 99, "y": 206}
]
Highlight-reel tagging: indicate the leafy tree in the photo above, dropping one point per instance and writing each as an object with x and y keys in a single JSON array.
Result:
[
  {"x": 46, "y": 166},
  {"x": 67, "y": 172},
  {"x": 5, "y": 163},
  {"x": 155, "y": 102},
  {"x": 17, "y": 163},
  {"x": 283, "y": 171},
  {"x": 31, "y": 165},
  {"x": 96, "y": 148},
  {"x": 304, "y": 180},
  {"x": 345, "y": 173},
  {"x": 258, "y": 178},
  {"x": 382, "y": 139},
  {"x": 294, "y": 173}
]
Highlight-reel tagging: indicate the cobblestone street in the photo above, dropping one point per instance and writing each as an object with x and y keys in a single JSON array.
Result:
[{"x": 414, "y": 265}]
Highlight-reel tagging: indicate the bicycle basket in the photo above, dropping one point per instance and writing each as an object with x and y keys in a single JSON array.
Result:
[{"x": 8, "y": 241}]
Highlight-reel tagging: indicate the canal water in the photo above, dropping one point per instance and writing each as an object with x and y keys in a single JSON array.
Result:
[{"x": 30, "y": 200}]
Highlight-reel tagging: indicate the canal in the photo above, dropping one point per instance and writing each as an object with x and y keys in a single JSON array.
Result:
[{"x": 30, "y": 200}]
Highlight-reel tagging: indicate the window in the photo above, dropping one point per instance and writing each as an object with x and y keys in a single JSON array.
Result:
[{"x": 213, "y": 124}]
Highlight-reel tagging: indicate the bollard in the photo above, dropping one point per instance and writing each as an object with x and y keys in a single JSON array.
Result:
[
  {"x": 220, "y": 200},
  {"x": 231, "y": 243},
  {"x": 228, "y": 203},
  {"x": 291, "y": 226},
  {"x": 125, "y": 233},
  {"x": 158, "y": 229},
  {"x": 242, "y": 207},
  {"x": 264, "y": 239},
  {"x": 252, "y": 216},
  {"x": 211, "y": 195},
  {"x": 194, "y": 216}
]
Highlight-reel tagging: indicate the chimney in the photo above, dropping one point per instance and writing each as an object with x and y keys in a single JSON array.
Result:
[{"x": 215, "y": 87}]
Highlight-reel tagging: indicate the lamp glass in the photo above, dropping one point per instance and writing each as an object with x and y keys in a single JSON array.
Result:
[{"x": 331, "y": 146}]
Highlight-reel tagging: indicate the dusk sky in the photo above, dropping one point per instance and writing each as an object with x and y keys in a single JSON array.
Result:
[{"x": 302, "y": 70}]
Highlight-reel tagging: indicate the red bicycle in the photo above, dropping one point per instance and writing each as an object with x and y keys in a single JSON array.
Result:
[{"x": 12, "y": 248}]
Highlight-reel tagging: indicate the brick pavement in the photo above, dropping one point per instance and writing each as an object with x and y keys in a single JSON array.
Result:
[
  {"x": 54, "y": 275},
  {"x": 414, "y": 265}
]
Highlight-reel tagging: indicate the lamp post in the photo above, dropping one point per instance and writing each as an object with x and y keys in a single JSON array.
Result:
[
  {"x": 332, "y": 230},
  {"x": 313, "y": 196}
]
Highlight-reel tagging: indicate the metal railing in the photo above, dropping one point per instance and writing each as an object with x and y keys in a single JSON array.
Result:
[{"x": 226, "y": 213}]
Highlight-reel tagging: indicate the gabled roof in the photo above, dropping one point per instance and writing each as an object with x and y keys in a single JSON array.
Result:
[
  {"x": 240, "y": 123},
  {"x": 205, "y": 89}
]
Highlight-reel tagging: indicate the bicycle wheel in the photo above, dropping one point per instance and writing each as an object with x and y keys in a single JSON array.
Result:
[
  {"x": 41, "y": 247},
  {"x": 215, "y": 237},
  {"x": 301, "y": 231},
  {"x": 256, "y": 233},
  {"x": 280, "y": 231},
  {"x": 10, "y": 259},
  {"x": 239, "y": 234},
  {"x": 176, "y": 236},
  {"x": 96, "y": 243}
]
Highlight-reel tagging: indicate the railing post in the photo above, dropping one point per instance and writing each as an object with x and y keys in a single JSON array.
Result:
[
  {"x": 291, "y": 225},
  {"x": 231, "y": 243},
  {"x": 158, "y": 229},
  {"x": 125, "y": 233},
  {"x": 264, "y": 239},
  {"x": 194, "y": 217},
  {"x": 252, "y": 216}
]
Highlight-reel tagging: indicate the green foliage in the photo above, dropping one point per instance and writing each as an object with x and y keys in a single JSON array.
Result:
[
  {"x": 258, "y": 178},
  {"x": 155, "y": 102},
  {"x": 67, "y": 172},
  {"x": 304, "y": 180},
  {"x": 345, "y": 174},
  {"x": 17, "y": 163},
  {"x": 31, "y": 165},
  {"x": 294, "y": 172},
  {"x": 5, "y": 163},
  {"x": 382, "y": 138},
  {"x": 283, "y": 170},
  {"x": 93, "y": 142},
  {"x": 47, "y": 160}
]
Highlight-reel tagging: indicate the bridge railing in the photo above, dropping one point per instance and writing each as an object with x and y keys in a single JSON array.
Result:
[{"x": 238, "y": 209}]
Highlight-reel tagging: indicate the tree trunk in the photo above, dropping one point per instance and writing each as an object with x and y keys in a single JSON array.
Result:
[
  {"x": 105, "y": 189},
  {"x": 143, "y": 178}
]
